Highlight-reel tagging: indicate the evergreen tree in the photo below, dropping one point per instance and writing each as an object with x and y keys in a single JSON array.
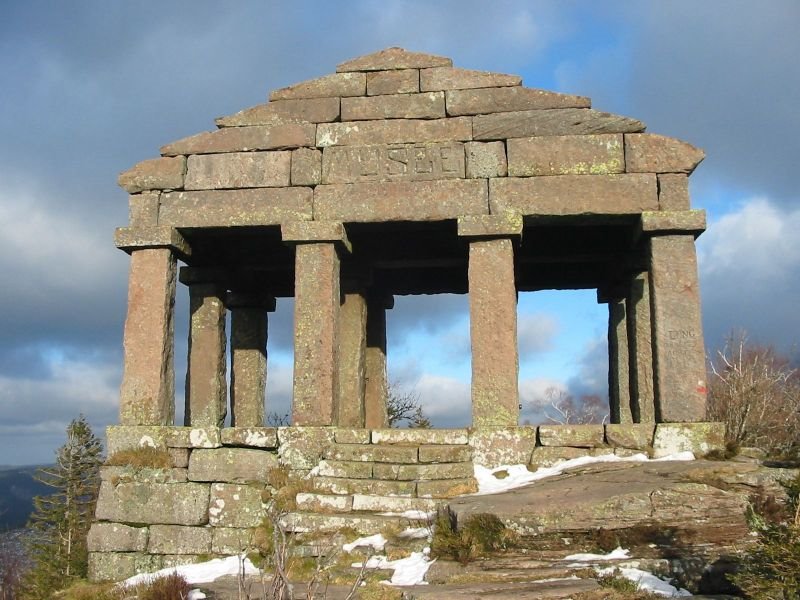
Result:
[{"x": 60, "y": 522}]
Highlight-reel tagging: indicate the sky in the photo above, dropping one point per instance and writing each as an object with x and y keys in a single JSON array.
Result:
[{"x": 90, "y": 88}]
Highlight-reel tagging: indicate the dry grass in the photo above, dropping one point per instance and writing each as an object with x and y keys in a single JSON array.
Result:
[{"x": 145, "y": 457}]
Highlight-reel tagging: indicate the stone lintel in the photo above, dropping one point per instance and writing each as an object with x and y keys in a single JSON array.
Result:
[
  {"x": 381, "y": 299},
  {"x": 154, "y": 174},
  {"x": 140, "y": 238},
  {"x": 651, "y": 153},
  {"x": 491, "y": 226},
  {"x": 311, "y": 232},
  {"x": 673, "y": 222},
  {"x": 192, "y": 275},
  {"x": 251, "y": 300},
  {"x": 611, "y": 293}
]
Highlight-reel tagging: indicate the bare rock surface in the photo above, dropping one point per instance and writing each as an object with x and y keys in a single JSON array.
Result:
[{"x": 698, "y": 502}]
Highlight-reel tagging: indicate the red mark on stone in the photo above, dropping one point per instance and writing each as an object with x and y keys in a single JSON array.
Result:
[{"x": 701, "y": 389}]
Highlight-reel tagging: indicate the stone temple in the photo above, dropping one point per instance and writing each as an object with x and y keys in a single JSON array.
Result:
[{"x": 398, "y": 174}]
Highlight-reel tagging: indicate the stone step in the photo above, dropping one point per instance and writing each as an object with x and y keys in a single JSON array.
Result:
[
  {"x": 423, "y": 472},
  {"x": 533, "y": 590},
  {"x": 399, "y": 453},
  {"x": 420, "y": 436},
  {"x": 331, "y": 503},
  {"x": 348, "y": 486},
  {"x": 363, "y": 524},
  {"x": 350, "y": 469}
]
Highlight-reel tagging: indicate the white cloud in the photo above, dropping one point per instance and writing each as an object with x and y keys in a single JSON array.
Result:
[
  {"x": 445, "y": 400},
  {"x": 533, "y": 392},
  {"x": 536, "y": 333},
  {"x": 750, "y": 274}
]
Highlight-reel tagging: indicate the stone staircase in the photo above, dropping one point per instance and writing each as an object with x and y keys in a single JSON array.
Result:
[{"x": 368, "y": 479}]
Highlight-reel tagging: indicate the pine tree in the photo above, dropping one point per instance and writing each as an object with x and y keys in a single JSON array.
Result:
[{"x": 60, "y": 522}]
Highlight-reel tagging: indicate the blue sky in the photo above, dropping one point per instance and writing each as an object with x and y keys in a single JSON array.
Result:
[{"x": 90, "y": 88}]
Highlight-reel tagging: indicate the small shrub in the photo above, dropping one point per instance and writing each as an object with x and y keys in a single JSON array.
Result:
[
  {"x": 481, "y": 533},
  {"x": 378, "y": 591},
  {"x": 168, "y": 587},
  {"x": 730, "y": 451},
  {"x": 278, "y": 477},
  {"x": 771, "y": 569},
  {"x": 616, "y": 581},
  {"x": 83, "y": 590},
  {"x": 144, "y": 457}
]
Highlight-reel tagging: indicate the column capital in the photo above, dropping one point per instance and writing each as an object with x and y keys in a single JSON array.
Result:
[
  {"x": 672, "y": 222},
  {"x": 314, "y": 232},
  {"x": 130, "y": 239},
  {"x": 250, "y": 300},
  {"x": 612, "y": 293},
  {"x": 507, "y": 225}
]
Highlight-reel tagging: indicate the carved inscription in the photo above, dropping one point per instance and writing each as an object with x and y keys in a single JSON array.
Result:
[
  {"x": 677, "y": 334},
  {"x": 397, "y": 162}
]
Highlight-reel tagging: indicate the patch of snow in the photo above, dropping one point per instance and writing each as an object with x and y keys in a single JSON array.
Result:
[
  {"x": 195, "y": 595},
  {"x": 407, "y": 571},
  {"x": 519, "y": 475},
  {"x": 377, "y": 542},
  {"x": 413, "y": 515},
  {"x": 415, "y": 533},
  {"x": 618, "y": 553},
  {"x": 200, "y": 572},
  {"x": 647, "y": 581}
]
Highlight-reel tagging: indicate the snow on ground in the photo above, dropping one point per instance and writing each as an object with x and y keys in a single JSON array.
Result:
[
  {"x": 411, "y": 515},
  {"x": 415, "y": 533},
  {"x": 407, "y": 571},
  {"x": 377, "y": 542},
  {"x": 618, "y": 553},
  {"x": 647, "y": 581},
  {"x": 200, "y": 572},
  {"x": 519, "y": 475}
]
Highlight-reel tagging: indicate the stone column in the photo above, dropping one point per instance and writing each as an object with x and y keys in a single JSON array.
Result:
[
  {"x": 618, "y": 364},
  {"x": 678, "y": 350},
  {"x": 493, "y": 319},
  {"x": 316, "y": 319},
  {"x": 249, "y": 326},
  {"x": 206, "y": 384},
  {"x": 376, "y": 393},
  {"x": 352, "y": 359},
  {"x": 640, "y": 350},
  {"x": 147, "y": 394}
]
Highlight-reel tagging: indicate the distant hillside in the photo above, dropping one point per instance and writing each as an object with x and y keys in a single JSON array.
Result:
[{"x": 17, "y": 489}]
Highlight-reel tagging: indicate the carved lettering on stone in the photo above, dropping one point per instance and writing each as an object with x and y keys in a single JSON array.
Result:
[{"x": 397, "y": 162}]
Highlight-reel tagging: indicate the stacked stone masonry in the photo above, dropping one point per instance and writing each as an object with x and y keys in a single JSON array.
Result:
[
  {"x": 398, "y": 174},
  {"x": 211, "y": 501}
]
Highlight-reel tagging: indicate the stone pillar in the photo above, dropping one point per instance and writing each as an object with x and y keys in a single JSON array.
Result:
[
  {"x": 640, "y": 350},
  {"x": 678, "y": 351},
  {"x": 618, "y": 363},
  {"x": 147, "y": 394},
  {"x": 493, "y": 319},
  {"x": 376, "y": 392},
  {"x": 316, "y": 319},
  {"x": 206, "y": 384},
  {"x": 352, "y": 359},
  {"x": 249, "y": 357}
]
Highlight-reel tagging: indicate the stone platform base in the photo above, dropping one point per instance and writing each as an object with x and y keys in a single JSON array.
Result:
[{"x": 209, "y": 502}]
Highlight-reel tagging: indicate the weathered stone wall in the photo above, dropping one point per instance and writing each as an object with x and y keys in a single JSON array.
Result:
[
  {"x": 210, "y": 500},
  {"x": 430, "y": 133}
]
